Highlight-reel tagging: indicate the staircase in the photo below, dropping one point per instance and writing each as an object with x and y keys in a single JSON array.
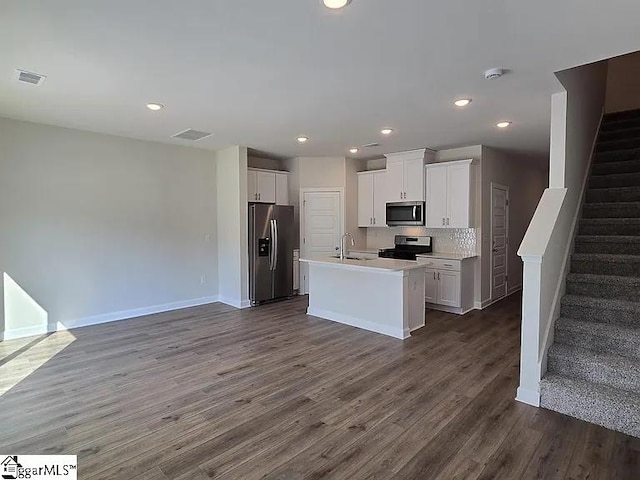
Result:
[{"x": 593, "y": 370}]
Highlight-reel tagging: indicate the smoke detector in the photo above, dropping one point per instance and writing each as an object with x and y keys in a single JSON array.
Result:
[
  {"x": 193, "y": 135},
  {"x": 493, "y": 73},
  {"x": 30, "y": 77}
]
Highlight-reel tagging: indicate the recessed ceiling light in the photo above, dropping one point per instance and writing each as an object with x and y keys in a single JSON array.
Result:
[
  {"x": 463, "y": 102},
  {"x": 302, "y": 139},
  {"x": 354, "y": 150},
  {"x": 503, "y": 124},
  {"x": 155, "y": 106},
  {"x": 336, "y": 4},
  {"x": 386, "y": 131}
]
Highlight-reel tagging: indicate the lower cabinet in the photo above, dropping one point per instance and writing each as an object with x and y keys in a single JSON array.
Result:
[
  {"x": 442, "y": 287},
  {"x": 449, "y": 284}
]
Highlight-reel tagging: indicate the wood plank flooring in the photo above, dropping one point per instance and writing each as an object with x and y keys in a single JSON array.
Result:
[{"x": 270, "y": 393}]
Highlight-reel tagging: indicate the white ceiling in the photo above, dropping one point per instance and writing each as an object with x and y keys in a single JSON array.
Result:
[{"x": 261, "y": 72}]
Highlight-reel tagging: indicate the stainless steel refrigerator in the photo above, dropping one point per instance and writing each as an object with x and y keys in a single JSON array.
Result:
[{"x": 271, "y": 236}]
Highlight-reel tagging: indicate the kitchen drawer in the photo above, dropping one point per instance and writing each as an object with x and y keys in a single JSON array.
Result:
[{"x": 440, "y": 264}]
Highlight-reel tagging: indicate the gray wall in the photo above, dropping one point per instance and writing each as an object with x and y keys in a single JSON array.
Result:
[{"x": 97, "y": 226}]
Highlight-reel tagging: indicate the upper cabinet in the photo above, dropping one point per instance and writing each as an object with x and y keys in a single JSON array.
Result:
[
  {"x": 450, "y": 194},
  {"x": 372, "y": 195},
  {"x": 265, "y": 186},
  {"x": 282, "y": 188},
  {"x": 405, "y": 178}
]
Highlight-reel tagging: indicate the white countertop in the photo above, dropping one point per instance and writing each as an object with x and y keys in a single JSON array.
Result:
[
  {"x": 447, "y": 256},
  {"x": 379, "y": 264}
]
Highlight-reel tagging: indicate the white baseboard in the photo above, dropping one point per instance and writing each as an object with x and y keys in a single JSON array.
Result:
[
  {"x": 485, "y": 303},
  {"x": 24, "y": 332},
  {"x": 530, "y": 397},
  {"x": 514, "y": 289},
  {"x": 359, "y": 323},
  {"x": 107, "y": 317},
  {"x": 235, "y": 302}
]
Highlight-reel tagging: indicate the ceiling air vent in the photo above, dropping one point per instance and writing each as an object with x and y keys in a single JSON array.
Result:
[
  {"x": 30, "y": 77},
  {"x": 193, "y": 135},
  {"x": 371, "y": 145}
]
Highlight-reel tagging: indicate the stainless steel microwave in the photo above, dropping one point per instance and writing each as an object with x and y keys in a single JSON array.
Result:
[{"x": 400, "y": 214}]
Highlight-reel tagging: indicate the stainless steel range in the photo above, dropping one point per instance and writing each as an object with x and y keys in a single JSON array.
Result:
[{"x": 406, "y": 248}]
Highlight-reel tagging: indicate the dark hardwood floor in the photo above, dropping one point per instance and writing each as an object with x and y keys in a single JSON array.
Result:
[{"x": 211, "y": 392}]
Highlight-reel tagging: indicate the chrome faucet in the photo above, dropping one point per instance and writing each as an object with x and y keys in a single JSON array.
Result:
[{"x": 353, "y": 242}]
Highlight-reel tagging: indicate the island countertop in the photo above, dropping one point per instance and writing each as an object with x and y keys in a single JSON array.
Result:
[
  {"x": 379, "y": 264},
  {"x": 447, "y": 256}
]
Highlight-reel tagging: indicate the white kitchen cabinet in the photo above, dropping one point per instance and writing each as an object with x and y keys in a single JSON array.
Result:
[
  {"x": 405, "y": 175},
  {"x": 372, "y": 196},
  {"x": 431, "y": 286},
  {"x": 450, "y": 193},
  {"x": 436, "y": 180},
  {"x": 252, "y": 193},
  {"x": 267, "y": 186},
  {"x": 449, "y": 288},
  {"x": 282, "y": 188},
  {"x": 449, "y": 284}
]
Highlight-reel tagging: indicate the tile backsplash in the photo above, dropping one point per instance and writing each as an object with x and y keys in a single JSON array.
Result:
[{"x": 449, "y": 240}]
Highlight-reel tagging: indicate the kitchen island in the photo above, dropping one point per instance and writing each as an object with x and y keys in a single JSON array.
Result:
[{"x": 381, "y": 295}]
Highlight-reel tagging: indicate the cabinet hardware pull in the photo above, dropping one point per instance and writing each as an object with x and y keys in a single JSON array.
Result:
[
  {"x": 448, "y": 265},
  {"x": 438, "y": 275},
  {"x": 447, "y": 220},
  {"x": 434, "y": 275},
  {"x": 443, "y": 221}
]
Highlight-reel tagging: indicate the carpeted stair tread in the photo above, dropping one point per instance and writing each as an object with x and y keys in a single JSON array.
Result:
[
  {"x": 609, "y": 226},
  {"x": 603, "y": 310},
  {"x": 606, "y": 264},
  {"x": 603, "y": 337},
  {"x": 614, "y": 180},
  {"x": 602, "y": 368},
  {"x": 607, "y": 257},
  {"x": 617, "y": 144},
  {"x": 598, "y": 279},
  {"x": 625, "y": 244},
  {"x": 613, "y": 194},
  {"x": 629, "y": 166},
  {"x": 603, "y": 286},
  {"x": 611, "y": 210},
  {"x": 617, "y": 155},
  {"x": 609, "y": 407},
  {"x": 621, "y": 115},
  {"x": 618, "y": 134}
]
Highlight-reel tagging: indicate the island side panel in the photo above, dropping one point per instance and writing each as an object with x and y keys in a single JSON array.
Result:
[
  {"x": 414, "y": 291},
  {"x": 367, "y": 299}
]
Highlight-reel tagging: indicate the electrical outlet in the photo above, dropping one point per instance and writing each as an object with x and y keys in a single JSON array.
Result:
[{"x": 203, "y": 279}]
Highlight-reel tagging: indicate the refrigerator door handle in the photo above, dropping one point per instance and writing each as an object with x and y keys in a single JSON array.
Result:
[
  {"x": 272, "y": 247},
  {"x": 275, "y": 244}
]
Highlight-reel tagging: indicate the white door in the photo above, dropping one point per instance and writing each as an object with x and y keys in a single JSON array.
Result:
[
  {"x": 380, "y": 199},
  {"x": 430, "y": 286},
  {"x": 499, "y": 241},
  {"x": 252, "y": 194},
  {"x": 414, "y": 180},
  {"x": 395, "y": 187},
  {"x": 458, "y": 191},
  {"x": 321, "y": 226},
  {"x": 449, "y": 288},
  {"x": 282, "y": 189},
  {"x": 365, "y": 200},
  {"x": 266, "y": 187},
  {"x": 436, "y": 196}
]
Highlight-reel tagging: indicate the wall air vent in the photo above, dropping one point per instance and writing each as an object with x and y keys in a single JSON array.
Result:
[
  {"x": 371, "y": 145},
  {"x": 30, "y": 77},
  {"x": 193, "y": 135}
]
